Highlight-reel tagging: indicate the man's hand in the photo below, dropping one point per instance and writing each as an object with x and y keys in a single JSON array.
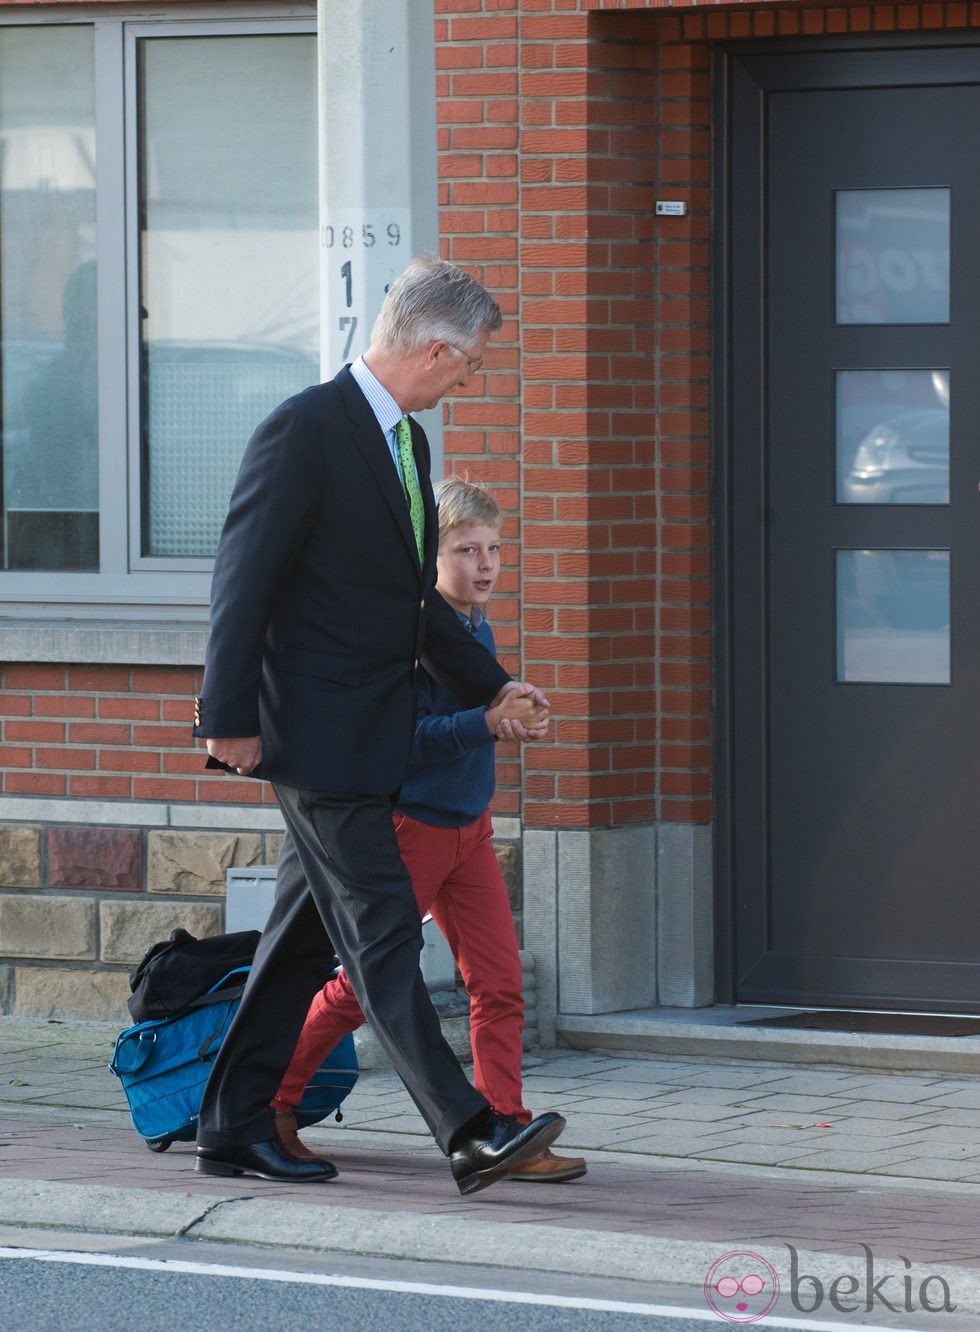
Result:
[
  {"x": 519, "y": 712},
  {"x": 243, "y": 753}
]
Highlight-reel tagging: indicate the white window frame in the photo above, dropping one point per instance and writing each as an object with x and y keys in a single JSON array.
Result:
[{"x": 135, "y": 608}]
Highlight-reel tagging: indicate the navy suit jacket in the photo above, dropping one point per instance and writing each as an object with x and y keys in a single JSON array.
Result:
[{"x": 320, "y": 613}]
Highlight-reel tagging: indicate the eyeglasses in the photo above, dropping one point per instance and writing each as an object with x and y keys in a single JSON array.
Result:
[
  {"x": 473, "y": 363},
  {"x": 751, "y": 1285}
]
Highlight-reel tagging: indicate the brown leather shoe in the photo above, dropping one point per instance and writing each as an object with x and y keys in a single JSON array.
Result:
[
  {"x": 547, "y": 1168},
  {"x": 290, "y": 1139}
]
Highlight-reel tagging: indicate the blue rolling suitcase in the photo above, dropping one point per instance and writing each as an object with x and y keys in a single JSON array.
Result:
[{"x": 164, "y": 1063}]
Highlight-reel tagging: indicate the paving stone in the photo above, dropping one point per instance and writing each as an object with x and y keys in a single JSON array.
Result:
[
  {"x": 823, "y": 1080},
  {"x": 962, "y": 1098},
  {"x": 897, "y": 1130},
  {"x": 914, "y": 1088},
  {"x": 634, "y": 1093},
  {"x": 861, "y": 1162},
  {"x": 894, "y": 1173},
  {"x": 966, "y": 1118},
  {"x": 809, "y": 1106},
  {"x": 880, "y": 1110},
  {"x": 609, "y": 1105},
  {"x": 749, "y": 1153}
]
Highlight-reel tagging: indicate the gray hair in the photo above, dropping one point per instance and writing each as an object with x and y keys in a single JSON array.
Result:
[{"x": 433, "y": 300}]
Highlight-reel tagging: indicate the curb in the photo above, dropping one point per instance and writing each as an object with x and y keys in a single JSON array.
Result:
[{"x": 858, "y": 1282}]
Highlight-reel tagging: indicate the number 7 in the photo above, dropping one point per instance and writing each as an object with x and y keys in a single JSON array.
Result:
[{"x": 344, "y": 321}]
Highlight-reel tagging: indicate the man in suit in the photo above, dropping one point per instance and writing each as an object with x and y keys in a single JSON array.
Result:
[{"x": 323, "y": 606}]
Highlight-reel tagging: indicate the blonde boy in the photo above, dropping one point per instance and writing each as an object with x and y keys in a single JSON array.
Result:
[{"x": 442, "y": 820}]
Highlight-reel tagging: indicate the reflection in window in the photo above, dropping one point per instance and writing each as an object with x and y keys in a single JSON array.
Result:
[
  {"x": 230, "y": 294},
  {"x": 893, "y": 437},
  {"x": 50, "y": 481},
  {"x": 893, "y": 256},
  {"x": 893, "y": 616}
]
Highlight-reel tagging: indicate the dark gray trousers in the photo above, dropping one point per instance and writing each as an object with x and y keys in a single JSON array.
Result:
[{"x": 341, "y": 887}]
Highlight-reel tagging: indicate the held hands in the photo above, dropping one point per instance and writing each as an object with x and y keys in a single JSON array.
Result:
[
  {"x": 519, "y": 712},
  {"x": 243, "y": 754}
]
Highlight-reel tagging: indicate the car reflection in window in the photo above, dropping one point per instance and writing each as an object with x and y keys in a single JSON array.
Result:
[{"x": 903, "y": 460}]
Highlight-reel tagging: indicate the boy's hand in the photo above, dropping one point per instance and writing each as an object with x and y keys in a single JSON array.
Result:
[
  {"x": 513, "y": 730},
  {"x": 526, "y": 690},
  {"x": 519, "y": 712}
]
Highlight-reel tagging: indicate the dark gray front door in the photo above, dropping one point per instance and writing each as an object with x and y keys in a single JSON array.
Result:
[{"x": 850, "y": 411}]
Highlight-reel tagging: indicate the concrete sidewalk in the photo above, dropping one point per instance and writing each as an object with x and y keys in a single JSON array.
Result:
[{"x": 690, "y": 1158}]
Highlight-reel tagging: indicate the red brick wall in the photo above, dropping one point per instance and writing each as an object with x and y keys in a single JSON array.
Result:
[
  {"x": 107, "y": 733},
  {"x": 477, "y": 110},
  {"x": 596, "y": 402},
  {"x": 560, "y": 124}
]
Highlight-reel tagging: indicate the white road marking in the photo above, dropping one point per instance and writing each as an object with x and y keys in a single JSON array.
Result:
[{"x": 413, "y": 1288}]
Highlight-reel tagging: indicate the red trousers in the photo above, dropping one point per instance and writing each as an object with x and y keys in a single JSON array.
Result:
[{"x": 456, "y": 876}]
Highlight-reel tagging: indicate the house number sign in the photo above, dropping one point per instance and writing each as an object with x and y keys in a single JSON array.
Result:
[{"x": 362, "y": 251}]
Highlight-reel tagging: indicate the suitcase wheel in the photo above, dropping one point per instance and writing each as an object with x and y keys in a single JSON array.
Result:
[{"x": 158, "y": 1144}]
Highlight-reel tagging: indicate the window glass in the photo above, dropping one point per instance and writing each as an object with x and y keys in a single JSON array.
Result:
[
  {"x": 893, "y": 437},
  {"x": 893, "y": 616},
  {"x": 48, "y": 363},
  {"x": 228, "y": 254},
  {"x": 893, "y": 256}
]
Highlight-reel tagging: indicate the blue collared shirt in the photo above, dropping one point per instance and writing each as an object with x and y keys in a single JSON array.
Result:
[{"x": 385, "y": 409}]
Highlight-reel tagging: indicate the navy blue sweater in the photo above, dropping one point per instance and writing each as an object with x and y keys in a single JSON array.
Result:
[{"x": 451, "y": 778}]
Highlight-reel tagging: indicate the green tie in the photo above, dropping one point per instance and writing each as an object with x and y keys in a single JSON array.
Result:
[{"x": 410, "y": 482}]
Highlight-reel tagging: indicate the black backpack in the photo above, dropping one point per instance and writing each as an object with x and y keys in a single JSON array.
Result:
[{"x": 177, "y": 971}]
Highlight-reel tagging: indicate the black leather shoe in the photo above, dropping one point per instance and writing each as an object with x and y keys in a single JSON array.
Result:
[
  {"x": 267, "y": 1160},
  {"x": 497, "y": 1144}
]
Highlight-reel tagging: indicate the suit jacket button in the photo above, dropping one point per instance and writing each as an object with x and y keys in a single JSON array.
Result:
[{"x": 422, "y": 604}]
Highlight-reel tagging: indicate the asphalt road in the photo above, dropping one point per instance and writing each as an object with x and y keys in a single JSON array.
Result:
[
  {"x": 96, "y": 1283},
  {"x": 47, "y": 1290}
]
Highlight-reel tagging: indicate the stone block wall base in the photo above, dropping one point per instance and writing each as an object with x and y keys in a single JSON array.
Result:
[
  {"x": 87, "y": 886},
  {"x": 108, "y": 858},
  {"x": 49, "y": 992},
  {"x": 685, "y": 917},
  {"x": 371, "y": 1054},
  {"x": 20, "y": 857},
  {"x": 129, "y": 928},
  {"x": 48, "y": 927},
  {"x": 197, "y": 862},
  {"x": 618, "y": 919}
]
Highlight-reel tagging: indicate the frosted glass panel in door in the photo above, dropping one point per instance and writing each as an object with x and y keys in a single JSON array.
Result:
[
  {"x": 893, "y": 616},
  {"x": 893, "y": 256},
  {"x": 892, "y": 436}
]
